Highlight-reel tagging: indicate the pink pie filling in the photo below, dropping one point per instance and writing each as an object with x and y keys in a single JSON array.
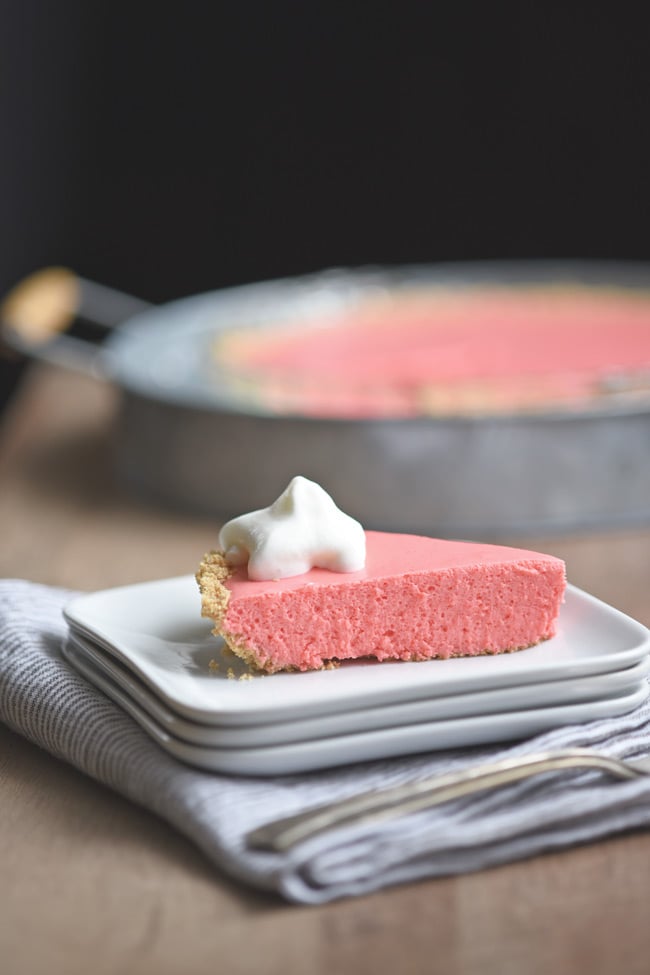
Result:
[
  {"x": 443, "y": 352},
  {"x": 416, "y": 599}
]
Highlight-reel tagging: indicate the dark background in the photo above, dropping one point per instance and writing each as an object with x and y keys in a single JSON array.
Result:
[{"x": 171, "y": 149}]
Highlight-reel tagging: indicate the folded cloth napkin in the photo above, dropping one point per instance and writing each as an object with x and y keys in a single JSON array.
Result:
[{"x": 44, "y": 699}]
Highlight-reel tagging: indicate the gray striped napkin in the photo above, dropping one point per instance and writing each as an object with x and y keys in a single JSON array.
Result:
[{"x": 44, "y": 699}]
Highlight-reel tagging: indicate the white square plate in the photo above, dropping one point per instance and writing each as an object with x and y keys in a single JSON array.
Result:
[
  {"x": 325, "y": 752},
  {"x": 94, "y": 663},
  {"x": 156, "y": 631}
]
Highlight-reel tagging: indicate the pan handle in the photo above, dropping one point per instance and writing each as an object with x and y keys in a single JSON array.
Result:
[{"x": 56, "y": 316}]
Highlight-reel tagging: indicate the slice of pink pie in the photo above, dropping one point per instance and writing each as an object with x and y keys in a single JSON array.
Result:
[{"x": 417, "y": 598}]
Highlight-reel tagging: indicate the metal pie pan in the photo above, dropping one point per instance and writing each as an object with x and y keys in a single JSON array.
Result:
[{"x": 185, "y": 441}]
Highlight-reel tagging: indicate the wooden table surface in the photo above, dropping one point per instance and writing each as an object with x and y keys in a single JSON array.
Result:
[{"x": 91, "y": 883}]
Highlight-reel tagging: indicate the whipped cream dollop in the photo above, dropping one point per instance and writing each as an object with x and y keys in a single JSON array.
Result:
[{"x": 300, "y": 531}]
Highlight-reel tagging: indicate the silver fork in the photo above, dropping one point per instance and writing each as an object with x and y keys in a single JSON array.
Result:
[{"x": 395, "y": 801}]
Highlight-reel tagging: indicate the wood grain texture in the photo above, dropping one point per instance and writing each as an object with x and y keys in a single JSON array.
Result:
[{"x": 92, "y": 883}]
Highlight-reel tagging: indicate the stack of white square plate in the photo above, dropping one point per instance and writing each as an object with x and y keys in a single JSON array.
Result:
[{"x": 147, "y": 647}]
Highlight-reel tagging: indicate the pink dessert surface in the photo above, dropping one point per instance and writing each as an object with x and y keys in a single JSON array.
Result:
[
  {"x": 445, "y": 351},
  {"x": 417, "y": 598}
]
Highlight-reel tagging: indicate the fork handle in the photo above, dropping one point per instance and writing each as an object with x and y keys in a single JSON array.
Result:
[{"x": 390, "y": 803}]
